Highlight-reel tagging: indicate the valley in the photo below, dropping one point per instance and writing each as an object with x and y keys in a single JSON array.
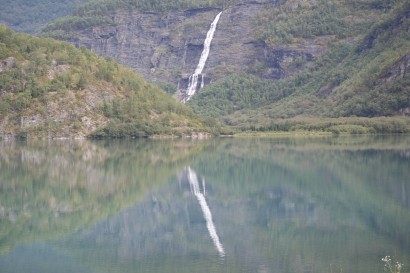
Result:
[{"x": 270, "y": 62}]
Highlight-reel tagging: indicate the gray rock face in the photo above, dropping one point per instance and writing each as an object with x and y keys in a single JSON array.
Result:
[
  {"x": 7, "y": 64},
  {"x": 165, "y": 48},
  {"x": 398, "y": 71}
]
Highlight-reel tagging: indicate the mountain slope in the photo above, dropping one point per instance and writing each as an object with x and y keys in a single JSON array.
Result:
[
  {"x": 31, "y": 15},
  {"x": 52, "y": 89},
  {"x": 364, "y": 74},
  {"x": 269, "y": 59}
]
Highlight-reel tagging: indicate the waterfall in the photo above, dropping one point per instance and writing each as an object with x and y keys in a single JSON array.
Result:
[
  {"x": 194, "y": 185},
  {"x": 193, "y": 79}
]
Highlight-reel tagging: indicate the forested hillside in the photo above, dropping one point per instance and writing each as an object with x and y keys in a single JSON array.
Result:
[
  {"x": 364, "y": 72},
  {"x": 52, "y": 89},
  {"x": 95, "y": 12},
  {"x": 31, "y": 15},
  {"x": 271, "y": 62},
  {"x": 299, "y": 58}
]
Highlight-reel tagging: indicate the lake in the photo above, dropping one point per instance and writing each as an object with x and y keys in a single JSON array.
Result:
[{"x": 331, "y": 204}]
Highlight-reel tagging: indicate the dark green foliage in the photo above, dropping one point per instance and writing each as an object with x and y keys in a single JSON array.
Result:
[
  {"x": 134, "y": 129},
  {"x": 363, "y": 42},
  {"x": 38, "y": 73},
  {"x": 399, "y": 17},
  {"x": 31, "y": 15},
  {"x": 236, "y": 92},
  {"x": 95, "y": 13},
  {"x": 282, "y": 26},
  {"x": 380, "y": 125},
  {"x": 64, "y": 28},
  {"x": 360, "y": 78},
  {"x": 326, "y": 126},
  {"x": 106, "y": 6},
  {"x": 138, "y": 116},
  {"x": 32, "y": 58},
  {"x": 241, "y": 91},
  {"x": 167, "y": 87}
]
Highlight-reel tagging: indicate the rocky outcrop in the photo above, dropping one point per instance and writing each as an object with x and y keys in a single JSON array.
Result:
[
  {"x": 397, "y": 71},
  {"x": 7, "y": 64},
  {"x": 165, "y": 48}
]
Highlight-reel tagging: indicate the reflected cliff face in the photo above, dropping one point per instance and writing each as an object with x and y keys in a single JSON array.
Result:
[
  {"x": 48, "y": 189},
  {"x": 264, "y": 205}
]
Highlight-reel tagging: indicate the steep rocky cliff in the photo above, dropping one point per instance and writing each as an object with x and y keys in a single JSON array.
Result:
[
  {"x": 269, "y": 59},
  {"x": 165, "y": 47}
]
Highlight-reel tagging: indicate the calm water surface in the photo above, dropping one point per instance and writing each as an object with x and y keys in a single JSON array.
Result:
[{"x": 221, "y": 205}]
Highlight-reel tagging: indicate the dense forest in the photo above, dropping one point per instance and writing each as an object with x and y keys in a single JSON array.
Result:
[
  {"x": 104, "y": 6},
  {"x": 94, "y": 13},
  {"x": 52, "y": 89},
  {"x": 364, "y": 73},
  {"x": 31, "y": 15},
  {"x": 359, "y": 83}
]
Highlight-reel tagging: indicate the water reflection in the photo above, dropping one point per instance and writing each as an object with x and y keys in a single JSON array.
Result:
[
  {"x": 195, "y": 189},
  {"x": 51, "y": 188},
  {"x": 279, "y": 205}
]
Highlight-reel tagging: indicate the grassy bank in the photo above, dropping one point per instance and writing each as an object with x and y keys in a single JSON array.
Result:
[{"x": 301, "y": 126}]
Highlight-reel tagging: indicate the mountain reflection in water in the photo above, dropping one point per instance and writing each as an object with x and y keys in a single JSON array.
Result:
[{"x": 278, "y": 205}]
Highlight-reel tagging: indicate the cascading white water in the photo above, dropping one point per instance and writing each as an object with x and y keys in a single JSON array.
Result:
[
  {"x": 193, "y": 79},
  {"x": 194, "y": 184}
]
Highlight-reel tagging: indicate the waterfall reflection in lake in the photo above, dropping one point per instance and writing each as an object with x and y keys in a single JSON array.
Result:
[
  {"x": 277, "y": 205},
  {"x": 195, "y": 189}
]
